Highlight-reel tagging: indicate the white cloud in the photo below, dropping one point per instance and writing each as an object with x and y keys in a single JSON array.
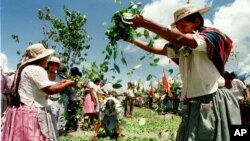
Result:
[
  {"x": 233, "y": 19},
  {"x": 130, "y": 48},
  {"x": 86, "y": 65}
]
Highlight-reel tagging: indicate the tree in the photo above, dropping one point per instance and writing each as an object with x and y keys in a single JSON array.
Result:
[{"x": 69, "y": 35}]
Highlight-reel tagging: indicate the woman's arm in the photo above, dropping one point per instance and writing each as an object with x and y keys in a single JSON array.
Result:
[
  {"x": 172, "y": 35},
  {"x": 97, "y": 128},
  {"x": 92, "y": 95},
  {"x": 155, "y": 49},
  {"x": 58, "y": 87}
]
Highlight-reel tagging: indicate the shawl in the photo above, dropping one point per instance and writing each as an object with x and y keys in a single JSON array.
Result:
[{"x": 218, "y": 47}]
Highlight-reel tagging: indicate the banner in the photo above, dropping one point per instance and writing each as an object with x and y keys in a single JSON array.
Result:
[{"x": 166, "y": 85}]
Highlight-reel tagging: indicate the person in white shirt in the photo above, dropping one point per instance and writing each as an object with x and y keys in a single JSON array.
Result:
[
  {"x": 129, "y": 101},
  {"x": 110, "y": 113},
  {"x": 201, "y": 53},
  {"x": 241, "y": 93},
  {"x": 29, "y": 115},
  {"x": 60, "y": 100},
  {"x": 238, "y": 88},
  {"x": 74, "y": 94},
  {"x": 5, "y": 82}
]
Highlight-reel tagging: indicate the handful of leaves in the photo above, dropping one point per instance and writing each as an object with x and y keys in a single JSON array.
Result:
[
  {"x": 78, "y": 81},
  {"x": 121, "y": 28}
]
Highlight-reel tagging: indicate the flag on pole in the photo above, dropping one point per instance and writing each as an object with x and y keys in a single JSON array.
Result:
[{"x": 166, "y": 85}]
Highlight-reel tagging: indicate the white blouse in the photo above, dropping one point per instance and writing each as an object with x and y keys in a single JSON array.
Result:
[
  {"x": 33, "y": 79},
  {"x": 199, "y": 74},
  {"x": 237, "y": 88}
]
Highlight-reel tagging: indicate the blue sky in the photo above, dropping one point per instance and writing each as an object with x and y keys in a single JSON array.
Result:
[{"x": 20, "y": 17}]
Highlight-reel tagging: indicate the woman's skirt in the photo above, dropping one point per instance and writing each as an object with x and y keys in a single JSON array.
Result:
[
  {"x": 110, "y": 123},
  {"x": 207, "y": 118},
  {"x": 88, "y": 105},
  {"x": 22, "y": 124}
]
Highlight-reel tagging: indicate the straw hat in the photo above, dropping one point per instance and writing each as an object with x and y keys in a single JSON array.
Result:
[
  {"x": 54, "y": 59},
  {"x": 35, "y": 52},
  {"x": 187, "y": 10}
]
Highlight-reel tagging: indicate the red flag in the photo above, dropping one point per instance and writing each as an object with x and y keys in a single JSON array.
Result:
[{"x": 166, "y": 85}]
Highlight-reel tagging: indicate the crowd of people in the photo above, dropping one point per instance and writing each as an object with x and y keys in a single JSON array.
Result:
[
  {"x": 42, "y": 103},
  {"x": 39, "y": 103}
]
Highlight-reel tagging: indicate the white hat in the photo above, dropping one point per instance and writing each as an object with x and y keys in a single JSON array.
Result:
[
  {"x": 187, "y": 10},
  {"x": 35, "y": 52},
  {"x": 54, "y": 59}
]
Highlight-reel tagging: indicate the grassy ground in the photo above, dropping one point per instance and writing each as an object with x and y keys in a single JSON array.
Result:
[{"x": 145, "y": 125}]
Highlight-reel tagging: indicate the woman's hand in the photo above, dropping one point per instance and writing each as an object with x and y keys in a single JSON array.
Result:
[
  {"x": 138, "y": 21},
  {"x": 71, "y": 82}
]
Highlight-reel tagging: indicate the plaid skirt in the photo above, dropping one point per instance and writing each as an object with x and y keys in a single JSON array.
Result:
[
  {"x": 207, "y": 118},
  {"x": 28, "y": 123}
]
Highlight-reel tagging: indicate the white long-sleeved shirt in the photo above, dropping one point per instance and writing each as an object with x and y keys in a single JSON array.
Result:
[{"x": 199, "y": 75}]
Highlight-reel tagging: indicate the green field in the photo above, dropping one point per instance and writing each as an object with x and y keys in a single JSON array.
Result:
[{"x": 145, "y": 125}]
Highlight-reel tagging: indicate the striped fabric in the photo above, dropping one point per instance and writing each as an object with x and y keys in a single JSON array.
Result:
[{"x": 218, "y": 46}]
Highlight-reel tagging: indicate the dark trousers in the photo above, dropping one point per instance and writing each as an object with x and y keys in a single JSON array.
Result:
[{"x": 129, "y": 105}]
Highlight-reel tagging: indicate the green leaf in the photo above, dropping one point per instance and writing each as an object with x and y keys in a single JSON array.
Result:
[
  {"x": 153, "y": 64},
  {"x": 116, "y": 68},
  {"x": 104, "y": 23},
  {"x": 151, "y": 44},
  {"x": 146, "y": 34},
  {"x": 156, "y": 60},
  {"x": 149, "y": 77},
  {"x": 115, "y": 54},
  {"x": 116, "y": 86},
  {"x": 142, "y": 121},
  {"x": 117, "y": 1},
  {"x": 157, "y": 37},
  {"x": 124, "y": 61},
  {"x": 171, "y": 71},
  {"x": 137, "y": 66},
  {"x": 143, "y": 57}
]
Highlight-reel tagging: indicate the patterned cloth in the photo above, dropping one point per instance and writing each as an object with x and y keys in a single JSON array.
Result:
[
  {"x": 218, "y": 45},
  {"x": 88, "y": 105},
  {"x": 21, "y": 124}
]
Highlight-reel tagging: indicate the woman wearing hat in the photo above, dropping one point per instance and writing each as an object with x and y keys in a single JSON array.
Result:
[
  {"x": 29, "y": 114},
  {"x": 60, "y": 100},
  {"x": 201, "y": 53}
]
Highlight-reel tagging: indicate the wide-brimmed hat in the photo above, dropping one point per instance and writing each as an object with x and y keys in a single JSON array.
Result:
[
  {"x": 35, "y": 52},
  {"x": 187, "y": 10},
  {"x": 54, "y": 59}
]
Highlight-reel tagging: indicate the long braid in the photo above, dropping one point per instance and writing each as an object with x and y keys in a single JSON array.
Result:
[{"x": 14, "y": 96}]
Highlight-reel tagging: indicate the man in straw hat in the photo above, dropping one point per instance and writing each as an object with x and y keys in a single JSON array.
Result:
[
  {"x": 201, "y": 53},
  {"x": 29, "y": 115}
]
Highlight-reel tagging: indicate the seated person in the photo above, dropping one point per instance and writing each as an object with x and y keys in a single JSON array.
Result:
[{"x": 110, "y": 111}]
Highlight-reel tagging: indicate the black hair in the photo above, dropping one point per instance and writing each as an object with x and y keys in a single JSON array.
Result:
[
  {"x": 75, "y": 71},
  {"x": 227, "y": 75},
  {"x": 110, "y": 104},
  {"x": 191, "y": 18},
  {"x": 97, "y": 80}
]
